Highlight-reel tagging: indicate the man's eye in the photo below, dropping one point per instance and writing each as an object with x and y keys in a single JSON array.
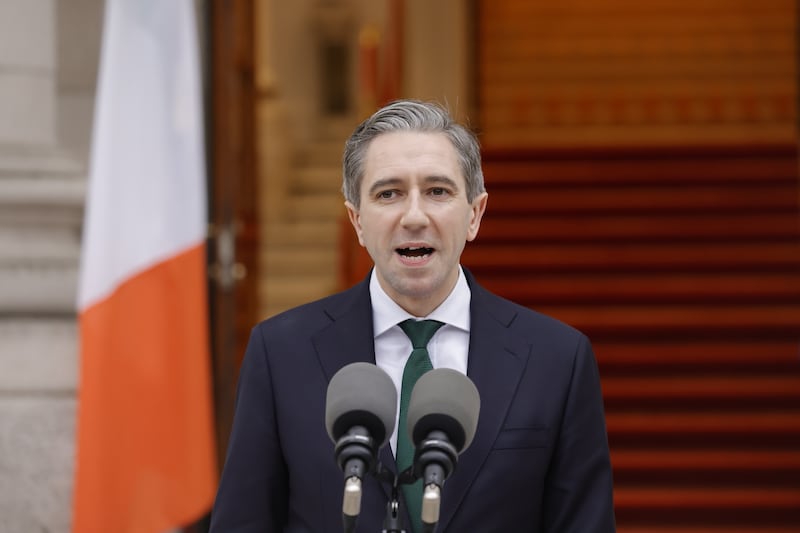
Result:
[
  {"x": 386, "y": 195},
  {"x": 438, "y": 191}
]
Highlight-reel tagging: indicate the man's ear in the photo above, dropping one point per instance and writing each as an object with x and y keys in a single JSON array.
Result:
[
  {"x": 476, "y": 214},
  {"x": 355, "y": 220}
]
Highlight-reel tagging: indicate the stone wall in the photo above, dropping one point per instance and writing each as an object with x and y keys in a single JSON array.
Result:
[{"x": 48, "y": 56}]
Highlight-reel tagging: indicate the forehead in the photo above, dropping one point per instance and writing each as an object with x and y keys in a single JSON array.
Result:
[{"x": 411, "y": 153}]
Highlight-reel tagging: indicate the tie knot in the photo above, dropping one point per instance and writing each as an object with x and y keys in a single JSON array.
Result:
[{"x": 420, "y": 331}]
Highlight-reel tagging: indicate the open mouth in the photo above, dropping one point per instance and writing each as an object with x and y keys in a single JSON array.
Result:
[{"x": 414, "y": 252}]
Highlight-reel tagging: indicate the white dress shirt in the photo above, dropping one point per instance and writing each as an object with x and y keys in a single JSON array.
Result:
[{"x": 448, "y": 348}]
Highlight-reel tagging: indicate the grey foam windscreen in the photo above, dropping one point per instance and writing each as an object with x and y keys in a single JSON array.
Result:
[
  {"x": 361, "y": 394},
  {"x": 445, "y": 400}
]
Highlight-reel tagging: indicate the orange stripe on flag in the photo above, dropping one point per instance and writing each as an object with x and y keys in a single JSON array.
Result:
[{"x": 145, "y": 434}]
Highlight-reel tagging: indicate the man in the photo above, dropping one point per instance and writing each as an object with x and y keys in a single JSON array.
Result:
[{"x": 539, "y": 461}]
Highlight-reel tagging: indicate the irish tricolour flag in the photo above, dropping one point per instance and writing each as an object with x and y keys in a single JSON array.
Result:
[{"x": 145, "y": 447}]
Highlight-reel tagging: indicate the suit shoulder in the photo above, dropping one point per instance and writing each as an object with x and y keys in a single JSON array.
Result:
[
  {"x": 535, "y": 324},
  {"x": 313, "y": 315}
]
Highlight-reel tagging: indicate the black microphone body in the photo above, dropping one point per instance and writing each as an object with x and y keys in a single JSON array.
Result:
[
  {"x": 355, "y": 452},
  {"x": 442, "y": 418},
  {"x": 437, "y": 458},
  {"x": 359, "y": 417}
]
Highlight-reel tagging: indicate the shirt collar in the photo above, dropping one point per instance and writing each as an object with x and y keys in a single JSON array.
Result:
[{"x": 454, "y": 311}]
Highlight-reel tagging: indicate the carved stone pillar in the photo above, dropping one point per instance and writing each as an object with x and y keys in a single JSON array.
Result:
[{"x": 41, "y": 199}]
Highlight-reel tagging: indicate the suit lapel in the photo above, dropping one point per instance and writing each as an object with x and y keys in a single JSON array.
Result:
[
  {"x": 347, "y": 341},
  {"x": 496, "y": 362}
]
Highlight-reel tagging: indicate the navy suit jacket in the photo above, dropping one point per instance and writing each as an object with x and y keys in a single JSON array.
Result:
[{"x": 539, "y": 461}]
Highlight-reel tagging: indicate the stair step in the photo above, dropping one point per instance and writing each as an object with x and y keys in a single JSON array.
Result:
[
  {"x": 316, "y": 207},
  {"x": 656, "y": 287},
  {"x": 649, "y": 461},
  {"x": 717, "y": 467},
  {"x": 727, "y": 391},
  {"x": 325, "y": 152},
  {"x": 298, "y": 290},
  {"x": 718, "y": 506},
  {"x": 723, "y": 498},
  {"x": 536, "y": 228},
  {"x": 704, "y": 427},
  {"x": 645, "y": 200},
  {"x": 294, "y": 261},
  {"x": 704, "y": 528},
  {"x": 625, "y": 258},
  {"x": 317, "y": 179},
  {"x": 686, "y": 319},
  {"x": 687, "y": 166},
  {"x": 289, "y": 291},
  {"x": 303, "y": 233},
  {"x": 670, "y": 354}
]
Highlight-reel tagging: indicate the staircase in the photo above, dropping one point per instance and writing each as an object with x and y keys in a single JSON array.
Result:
[
  {"x": 301, "y": 248},
  {"x": 683, "y": 266}
]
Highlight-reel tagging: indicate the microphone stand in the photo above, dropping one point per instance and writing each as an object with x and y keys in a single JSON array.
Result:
[{"x": 393, "y": 523}]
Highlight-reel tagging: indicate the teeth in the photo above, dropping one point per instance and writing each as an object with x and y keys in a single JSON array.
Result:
[{"x": 415, "y": 251}]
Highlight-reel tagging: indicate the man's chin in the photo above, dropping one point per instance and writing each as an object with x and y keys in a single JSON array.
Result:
[{"x": 418, "y": 286}]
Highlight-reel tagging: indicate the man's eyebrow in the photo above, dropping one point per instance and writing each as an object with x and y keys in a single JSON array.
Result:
[
  {"x": 429, "y": 180},
  {"x": 445, "y": 180},
  {"x": 385, "y": 182}
]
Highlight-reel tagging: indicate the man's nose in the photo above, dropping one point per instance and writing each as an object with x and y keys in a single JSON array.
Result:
[{"x": 414, "y": 215}]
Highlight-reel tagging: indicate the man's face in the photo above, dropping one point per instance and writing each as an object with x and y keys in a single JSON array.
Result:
[{"x": 414, "y": 218}]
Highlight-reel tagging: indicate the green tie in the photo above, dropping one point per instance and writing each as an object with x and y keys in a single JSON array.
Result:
[{"x": 420, "y": 332}]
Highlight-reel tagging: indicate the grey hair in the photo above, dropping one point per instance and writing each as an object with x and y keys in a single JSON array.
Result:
[{"x": 410, "y": 115}]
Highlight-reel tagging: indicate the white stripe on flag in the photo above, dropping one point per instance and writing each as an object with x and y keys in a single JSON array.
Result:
[{"x": 146, "y": 198}]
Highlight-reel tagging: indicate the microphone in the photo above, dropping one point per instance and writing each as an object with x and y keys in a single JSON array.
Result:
[
  {"x": 360, "y": 410},
  {"x": 442, "y": 418}
]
